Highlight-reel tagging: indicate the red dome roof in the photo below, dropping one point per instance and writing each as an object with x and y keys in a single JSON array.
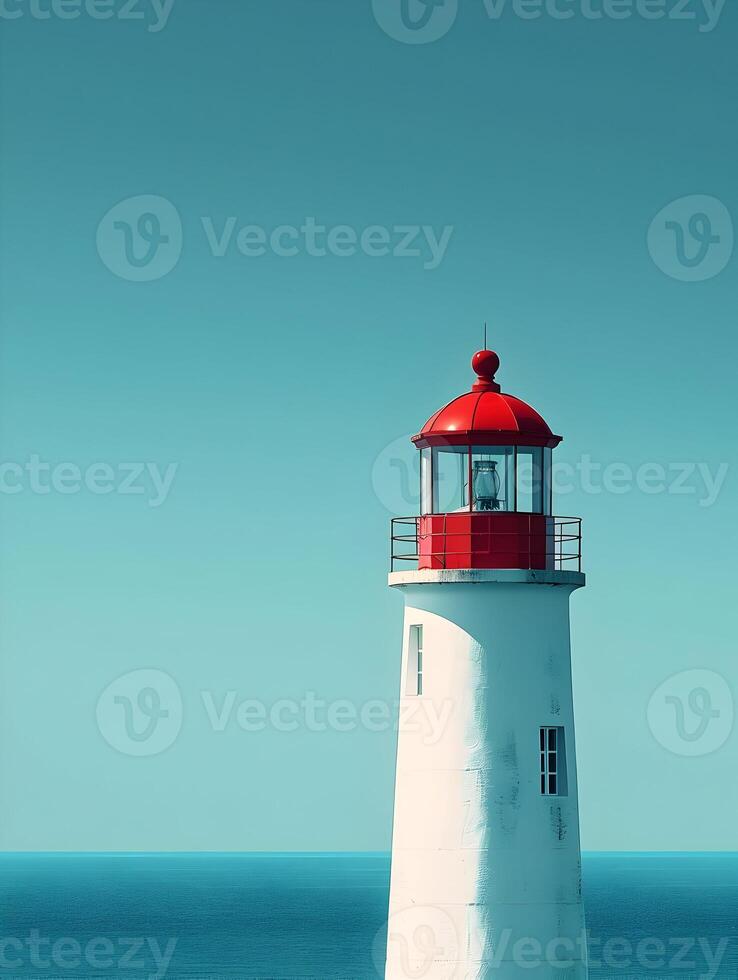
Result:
[{"x": 486, "y": 416}]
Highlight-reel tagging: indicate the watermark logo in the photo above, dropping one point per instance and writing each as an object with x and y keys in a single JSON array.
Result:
[
  {"x": 140, "y": 238},
  {"x": 691, "y": 239},
  {"x": 140, "y": 713},
  {"x": 418, "y": 940},
  {"x": 396, "y": 477},
  {"x": 424, "y": 21},
  {"x": 692, "y": 713},
  {"x": 423, "y": 942},
  {"x": 415, "y": 21}
]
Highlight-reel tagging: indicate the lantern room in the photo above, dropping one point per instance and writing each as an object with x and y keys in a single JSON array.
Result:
[{"x": 486, "y": 485}]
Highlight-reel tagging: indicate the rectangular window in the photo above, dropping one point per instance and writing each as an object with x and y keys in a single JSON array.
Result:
[
  {"x": 553, "y": 762},
  {"x": 414, "y": 679}
]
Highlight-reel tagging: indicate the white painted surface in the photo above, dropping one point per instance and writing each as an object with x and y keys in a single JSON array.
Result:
[
  {"x": 479, "y": 576},
  {"x": 485, "y": 869}
]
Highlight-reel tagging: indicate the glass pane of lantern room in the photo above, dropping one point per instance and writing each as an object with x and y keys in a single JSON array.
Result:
[
  {"x": 547, "y": 483},
  {"x": 450, "y": 479},
  {"x": 529, "y": 480},
  {"x": 493, "y": 478},
  {"x": 426, "y": 504}
]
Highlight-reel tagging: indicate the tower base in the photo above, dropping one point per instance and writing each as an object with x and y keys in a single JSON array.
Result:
[{"x": 486, "y": 870}]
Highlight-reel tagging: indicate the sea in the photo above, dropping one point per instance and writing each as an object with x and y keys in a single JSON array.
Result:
[{"x": 324, "y": 916}]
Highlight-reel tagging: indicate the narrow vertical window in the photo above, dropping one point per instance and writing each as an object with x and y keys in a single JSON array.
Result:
[
  {"x": 553, "y": 761},
  {"x": 414, "y": 680}
]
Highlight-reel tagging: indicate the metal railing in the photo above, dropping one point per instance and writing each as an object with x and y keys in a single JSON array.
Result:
[{"x": 563, "y": 540}]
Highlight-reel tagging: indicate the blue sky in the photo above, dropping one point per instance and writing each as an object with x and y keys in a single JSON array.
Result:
[{"x": 251, "y": 397}]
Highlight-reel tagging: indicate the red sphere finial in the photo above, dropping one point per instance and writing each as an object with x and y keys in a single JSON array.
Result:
[{"x": 486, "y": 364}]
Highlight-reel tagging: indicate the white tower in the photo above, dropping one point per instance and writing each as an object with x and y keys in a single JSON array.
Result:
[{"x": 486, "y": 868}]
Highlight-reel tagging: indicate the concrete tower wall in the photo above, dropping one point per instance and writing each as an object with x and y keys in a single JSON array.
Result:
[{"x": 485, "y": 868}]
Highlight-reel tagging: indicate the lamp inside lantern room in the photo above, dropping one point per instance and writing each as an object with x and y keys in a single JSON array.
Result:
[{"x": 486, "y": 481}]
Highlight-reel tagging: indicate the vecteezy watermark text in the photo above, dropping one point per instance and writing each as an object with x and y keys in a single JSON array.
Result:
[
  {"x": 100, "y": 953},
  {"x": 682, "y": 478},
  {"x": 705, "y": 13},
  {"x": 342, "y": 241},
  {"x": 38, "y": 476},
  {"x": 153, "y": 13},
  {"x": 700, "y": 955},
  {"x": 310, "y": 713}
]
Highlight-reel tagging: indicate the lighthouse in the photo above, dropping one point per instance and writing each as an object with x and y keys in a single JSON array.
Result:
[{"x": 486, "y": 864}]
